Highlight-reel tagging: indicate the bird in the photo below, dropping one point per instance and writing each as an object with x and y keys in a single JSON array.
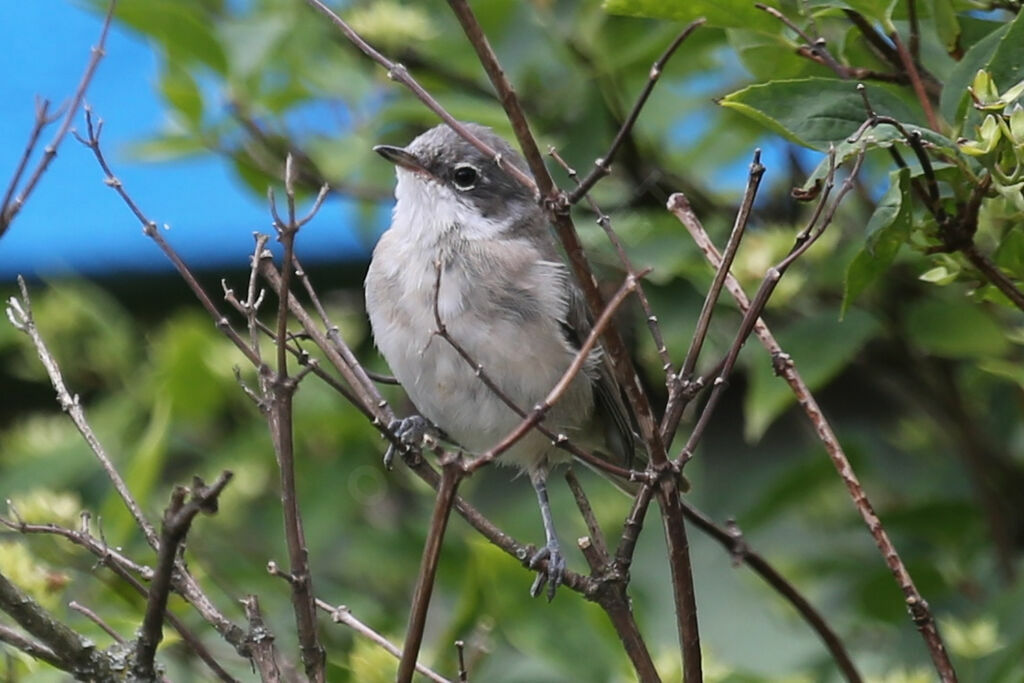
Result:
[{"x": 469, "y": 238}]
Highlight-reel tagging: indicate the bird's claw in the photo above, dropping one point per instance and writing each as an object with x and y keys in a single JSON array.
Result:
[
  {"x": 410, "y": 432},
  {"x": 550, "y": 575}
]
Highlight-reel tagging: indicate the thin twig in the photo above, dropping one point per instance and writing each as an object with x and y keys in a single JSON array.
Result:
[
  {"x": 10, "y": 209},
  {"x": 20, "y": 315},
  {"x": 451, "y": 475},
  {"x": 674, "y": 411},
  {"x": 96, "y": 619},
  {"x": 596, "y": 535},
  {"x": 126, "y": 569},
  {"x": 602, "y": 166},
  {"x": 341, "y": 614},
  {"x": 32, "y": 648},
  {"x": 604, "y": 220},
  {"x": 916, "y": 82}
]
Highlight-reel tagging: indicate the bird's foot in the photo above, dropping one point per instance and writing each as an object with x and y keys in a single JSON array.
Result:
[
  {"x": 551, "y": 575},
  {"x": 410, "y": 432}
]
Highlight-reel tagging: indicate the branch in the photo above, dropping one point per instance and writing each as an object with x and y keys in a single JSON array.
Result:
[
  {"x": 343, "y": 615},
  {"x": 9, "y": 209},
  {"x": 177, "y": 521},
  {"x": 19, "y": 312},
  {"x": 31, "y": 647},
  {"x": 919, "y": 611},
  {"x": 451, "y": 475},
  {"x": 602, "y": 166},
  {"x": 281, "y": 389},
  {"x": 126, "y": 569},
  {"x": 73, "y": 653}
]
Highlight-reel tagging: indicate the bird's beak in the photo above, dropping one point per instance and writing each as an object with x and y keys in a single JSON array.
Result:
[{"x": 400, "y": 157}]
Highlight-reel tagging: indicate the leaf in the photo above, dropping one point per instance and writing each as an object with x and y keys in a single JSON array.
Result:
[
  {"x": 815, "y": 112},
  {"x": 887, "y": 230},
  {"x": 947, "y": 27},
  {"x": 878, "y": 10},
  {"x": 181, "y": 29},
  {"x": 720, "y": 13},
  {"x": 820, "y": 347},
  {"x": 181, "y": 92},
  {"x": 954, "y": 328}
]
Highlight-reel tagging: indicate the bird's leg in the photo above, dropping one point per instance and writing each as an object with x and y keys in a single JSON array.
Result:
[
  {"x": 410, "y": 431},
  {"x": 551, "y": 551}
]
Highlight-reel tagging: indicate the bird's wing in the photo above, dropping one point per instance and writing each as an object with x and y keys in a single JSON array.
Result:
[{"x": 611, "y": 411}]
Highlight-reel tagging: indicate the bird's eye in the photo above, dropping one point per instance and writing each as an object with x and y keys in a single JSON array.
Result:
[{"x": 464, "y": 177}]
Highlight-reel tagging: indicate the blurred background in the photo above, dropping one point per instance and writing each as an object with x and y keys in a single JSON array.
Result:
[{"x": 202, "y": 99}]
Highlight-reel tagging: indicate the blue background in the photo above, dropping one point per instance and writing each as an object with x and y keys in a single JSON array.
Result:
[{"x": 73, "y": 222}]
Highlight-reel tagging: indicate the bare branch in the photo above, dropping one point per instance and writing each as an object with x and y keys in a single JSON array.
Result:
[
  {"x": 96, "y": 619},
  {"x": 20, "y": 315},
  {"x": 30, "y": 647},
  {"x": 60, "y": 645},
  {"x": 343, "y": 615},
  {"x": 177, "y": 521},
  {"x": 281, "y": 388},
  {"x": 918, "y": 607},
  {"x": 541, "y": 409},
  {"x": 602, "y": 166},
  {"x": 451, "y": 475},
  {"x": 9, "y": 209}
]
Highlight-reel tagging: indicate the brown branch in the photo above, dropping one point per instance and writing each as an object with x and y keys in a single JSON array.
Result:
[
  {"x": 602, "y": 166},
  {"x": 915, "y": 82},
  {"x": 674, "y": 410},
  {"x": 603, "y": 220},
  {"x": 733, "y": 541},
  {"x": 596, "y": 535},
  {"x": 341, "y": 614},
  {"x": 149, "y": 228},
  {"x": 994, "y": 275},
  {"x": 9, "y": 209},
  {"x": 281, "y": 389},
  {"x": 261, "y": 641},
  {"x": 451, "y": 475},
  {"x": 177, "y": 520},
  {"x": 918, "y": 608},
  {"x": 31, "y": 647},
  {"x": 557, "y": 208},
  {"x": 96, "y": 619}
]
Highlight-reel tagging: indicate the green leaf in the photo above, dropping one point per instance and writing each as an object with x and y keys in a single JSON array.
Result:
[
  {"x": 887, "y": 230},
  {"x": 878, "y": 10},
  {"x": 169, "y": 147},
  {"x": 815, "y": 112},
  {"x": 954, "y": 328},
  {"x": 947, "y": 27},
  {"x": 181, "y": 29},
  {"x": 820, "y": 347},
  {"x": 181, "y": 92},
  {"x": 722, "y": 13}
]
